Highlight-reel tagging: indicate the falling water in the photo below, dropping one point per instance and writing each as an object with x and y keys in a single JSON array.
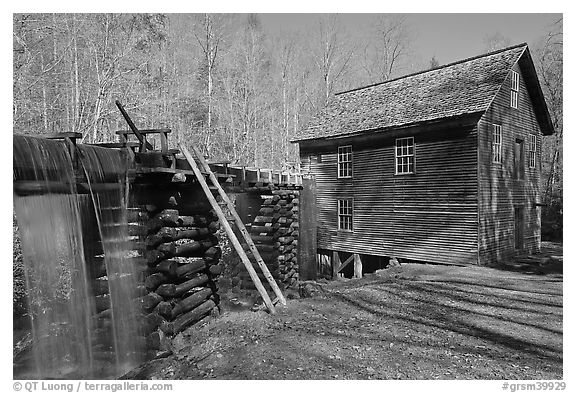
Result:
[
  {"x": 106, "y": 172},
  {"x": 58, "y": 301},
  {"x": 83, "y": 318}
]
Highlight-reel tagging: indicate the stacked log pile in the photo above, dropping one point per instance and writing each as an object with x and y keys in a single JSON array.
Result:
[
  {"x": 275, "y": 232},
  {"x": 182, "y": 258},
  {"x": 286, "y": 234}
]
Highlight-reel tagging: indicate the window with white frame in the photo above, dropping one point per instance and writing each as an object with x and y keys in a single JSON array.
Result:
[
  {"x": 532, "y": 151},
  {"x": 515, "y": 85},
  {"x": 404, "y": 156},
  {"x": 345, "y": 214},
  {"x": 497, "y": 143},
  {"x": 344, "y": 162}
]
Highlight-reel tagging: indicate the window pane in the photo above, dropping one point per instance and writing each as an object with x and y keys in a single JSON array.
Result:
[
  {"x": 404, "y": 155},
  {"x": 515, "y": 81},
  {"x": 345, "y": 161},
  {"x": 497, "y": 143},
  {"x": 345, "y": 214},
  {"x": 514, "y": 99}
]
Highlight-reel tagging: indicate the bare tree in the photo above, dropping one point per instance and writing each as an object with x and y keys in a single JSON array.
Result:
[
  {"x": 495, "y": 41},
  {"x": 549, "y": 63},
  {"x": 387, "y": 44},
  {"x": 107, "y": 52},
  {"x": 209, "y": 40},
  {"x": 331, "y": 55},
  {"x": 39, "y": 56},
  {"x": 286, "y": 64}
]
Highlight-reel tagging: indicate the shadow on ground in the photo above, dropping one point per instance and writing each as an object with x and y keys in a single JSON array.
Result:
[
  {"x": 408, "y": 322},
  {"x": 548, "y": 262}
]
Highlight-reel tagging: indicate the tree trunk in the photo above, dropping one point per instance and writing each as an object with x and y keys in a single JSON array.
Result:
[{"x": 44, "y": 96}]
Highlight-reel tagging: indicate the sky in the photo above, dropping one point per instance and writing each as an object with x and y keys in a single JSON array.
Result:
[{"x": 448, "y": 37}]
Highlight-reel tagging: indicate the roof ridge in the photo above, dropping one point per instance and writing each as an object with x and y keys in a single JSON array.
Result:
[{"x": 437, "y": 68}]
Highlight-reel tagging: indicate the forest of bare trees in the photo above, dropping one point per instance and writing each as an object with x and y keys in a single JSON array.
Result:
[
  {"x": 548, "y": 57},
  {"x": 217, "y": 80},
  {"x": 222, "y": 81}
]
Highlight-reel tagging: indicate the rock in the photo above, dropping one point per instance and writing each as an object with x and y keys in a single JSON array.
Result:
[
  {"x": 309, "y": 289},
  {"x": 172, "y": 201},
  {"x": 163, "y": 354},
  {"x": 291, "y": 294},
  {"x": 179, "y": 178},
  {"x": 215, "y": 313},
  {"x": 178, "y": 342}
]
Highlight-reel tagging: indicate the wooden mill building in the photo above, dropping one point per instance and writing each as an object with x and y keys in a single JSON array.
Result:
[{"x": 440, "y": 166}]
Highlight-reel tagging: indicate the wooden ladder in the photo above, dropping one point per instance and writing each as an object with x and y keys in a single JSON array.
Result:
[{"x": 236, "y": 218}]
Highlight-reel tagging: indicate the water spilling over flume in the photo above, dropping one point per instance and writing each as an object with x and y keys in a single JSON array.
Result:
[{"x": 80, "y": 276}]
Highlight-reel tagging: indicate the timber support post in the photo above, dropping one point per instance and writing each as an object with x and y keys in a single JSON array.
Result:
[
  {"x": 357, "y": 266},
  {"x": 307, "y": 245},
  {"x": 336, "y": 264}
]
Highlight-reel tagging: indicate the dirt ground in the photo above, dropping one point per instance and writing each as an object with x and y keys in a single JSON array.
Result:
[{"x": 409, "y": 322}]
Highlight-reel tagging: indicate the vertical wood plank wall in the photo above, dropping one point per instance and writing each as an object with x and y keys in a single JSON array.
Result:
[
  {"x": 499, "y": 191},
  {"x": 307, "y": 244},
  {"x": 429, "y": 216}
]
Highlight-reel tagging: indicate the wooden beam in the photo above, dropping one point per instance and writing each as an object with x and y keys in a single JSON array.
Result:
[
  {"x": 117, "y": 145},
  {"x": 307, "y": 242},
  {"x": 346, "y": 262},
  {"x": 164, "y": 142},
  {"x": 336, "y": 263},
  {"x": 140, "y": 137},
  {"x": 234, "y": 240},
  {"x": 146, "y": 131},
  {"x": 63, "y": 135},
  {"x": 357, "y": 266}
]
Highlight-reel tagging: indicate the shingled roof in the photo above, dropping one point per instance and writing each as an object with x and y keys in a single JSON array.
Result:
[{"x": 461, "y": 88}]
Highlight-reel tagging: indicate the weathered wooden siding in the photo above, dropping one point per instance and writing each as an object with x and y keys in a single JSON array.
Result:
[
  {"x": 499, "y": 191},
  {"x": 429, "y": 216}
]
